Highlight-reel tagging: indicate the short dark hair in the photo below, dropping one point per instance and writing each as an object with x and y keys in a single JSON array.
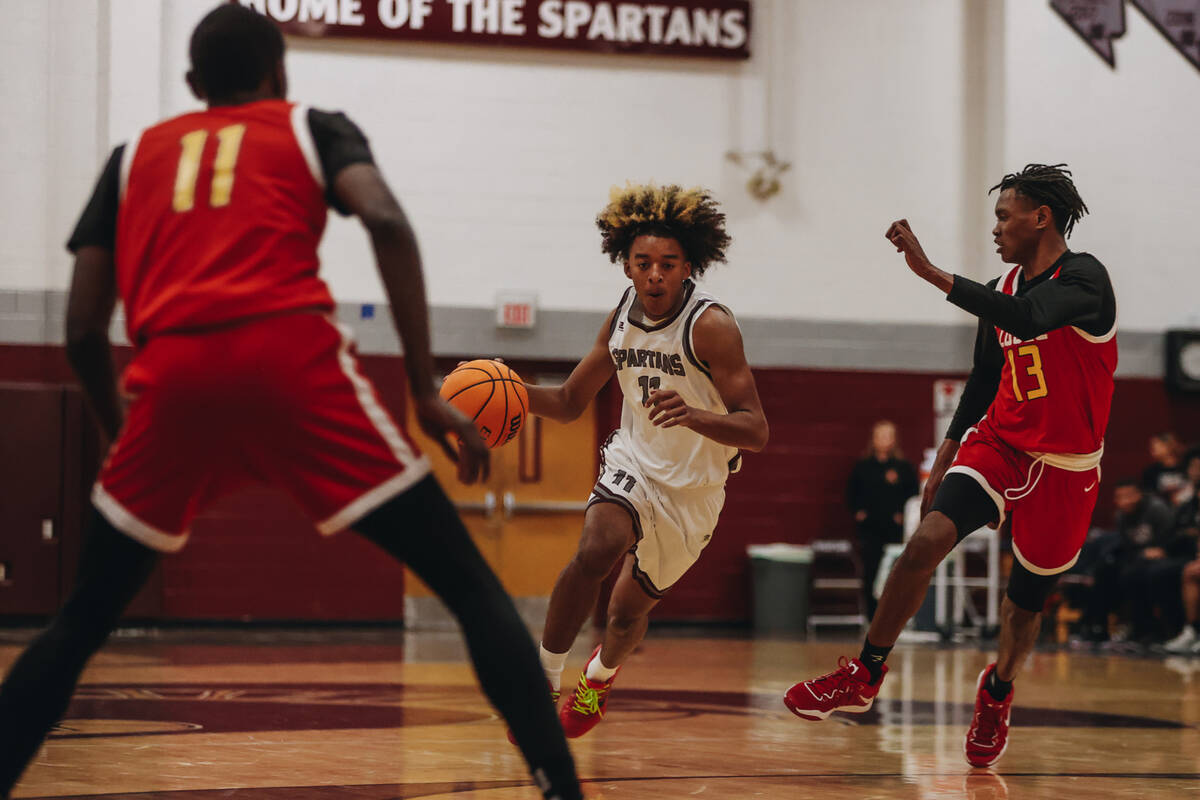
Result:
[
  {"x": 232, "y": 50},
  {"x": 1134, "y": 482},
  {"x": 1048, "y": 185}
]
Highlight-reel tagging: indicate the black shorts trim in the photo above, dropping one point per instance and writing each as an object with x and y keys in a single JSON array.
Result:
[{"x": 601, "y": 494}]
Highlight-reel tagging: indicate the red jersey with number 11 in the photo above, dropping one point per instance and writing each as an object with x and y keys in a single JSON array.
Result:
[
  {"x": 220, "y": 215},
  {"x": 1055, "y": 390}
]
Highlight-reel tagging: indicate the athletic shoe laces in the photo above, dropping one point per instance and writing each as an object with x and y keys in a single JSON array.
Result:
[
  {"x": 843, "y": 680},
  {"x": 990, "y": 719},
  {"x": 588, "y": 700}
]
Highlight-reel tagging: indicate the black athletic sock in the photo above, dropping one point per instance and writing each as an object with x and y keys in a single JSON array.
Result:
[
  {"x": 872, "y": 658},
  {"x": 421, "y": 528},
  {"x": 997, "y": 688},
  {"x": 39, "y": 686}
]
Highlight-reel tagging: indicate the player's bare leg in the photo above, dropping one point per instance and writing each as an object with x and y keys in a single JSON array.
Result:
[
  {"x": 909, "y": 580},
  {"x": 628, "y": 616},
  {"x": 1018, "y": 633},
  {"x": 607, "y": 534}
]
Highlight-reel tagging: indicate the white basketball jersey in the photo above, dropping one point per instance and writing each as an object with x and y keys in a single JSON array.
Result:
[{"x": 660, "y": 355}]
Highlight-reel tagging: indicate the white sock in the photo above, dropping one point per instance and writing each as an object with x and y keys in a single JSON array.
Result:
[
  {"x": 553, "y": 663},
  {"x": 596, "y": 671}
]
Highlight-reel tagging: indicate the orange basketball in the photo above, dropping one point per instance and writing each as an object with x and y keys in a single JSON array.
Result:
[{"x": 490, "y": 393}]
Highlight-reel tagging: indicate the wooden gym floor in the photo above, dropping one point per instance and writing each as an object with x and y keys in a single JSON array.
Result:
[{"x": 384, "y": 715}]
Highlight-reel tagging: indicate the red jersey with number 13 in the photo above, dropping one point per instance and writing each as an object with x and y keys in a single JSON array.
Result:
[
  {"x": 220, "y": 215},
  {"x": 1056, "y": 390}
]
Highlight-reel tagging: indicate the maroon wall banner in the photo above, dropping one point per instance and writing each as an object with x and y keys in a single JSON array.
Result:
[{"x": 705, "y": 28}]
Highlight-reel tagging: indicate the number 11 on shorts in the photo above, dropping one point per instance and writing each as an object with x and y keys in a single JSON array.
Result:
[{"x": 621, "y": 475}]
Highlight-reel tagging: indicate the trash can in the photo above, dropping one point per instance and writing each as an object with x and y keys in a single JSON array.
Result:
[{"x": 781, "y": 576}]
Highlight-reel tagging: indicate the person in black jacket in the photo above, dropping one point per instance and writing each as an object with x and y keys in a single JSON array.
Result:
[{"x": 879, "y": 486}]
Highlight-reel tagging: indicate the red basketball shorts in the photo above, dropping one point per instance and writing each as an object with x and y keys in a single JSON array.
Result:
[
  {"x": 277, "y": 401},
  {"x": 1051, "y": 506}
]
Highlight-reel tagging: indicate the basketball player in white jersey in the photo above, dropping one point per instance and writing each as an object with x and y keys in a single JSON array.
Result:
[{"x": 690, "y": 405}]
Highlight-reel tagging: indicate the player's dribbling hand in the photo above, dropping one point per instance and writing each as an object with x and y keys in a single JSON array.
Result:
[
  {"x": 440, "y": 421},
  {"x": 668, "y": 410}
]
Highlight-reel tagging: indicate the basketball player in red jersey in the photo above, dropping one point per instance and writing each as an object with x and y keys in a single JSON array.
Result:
[
  {"x": 206, "y": 226},
  {"x": 1045, "y": 352}
]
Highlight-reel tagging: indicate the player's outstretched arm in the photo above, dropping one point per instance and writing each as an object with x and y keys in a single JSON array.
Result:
[
  {"x": 718, "y": 343},
  {"x": 89, "y": 311},
  {"x": 900, "y": 234},
  {"x": 566, "y": 402},
  {"x": 362, "y": 190},
  {"x": 1076, "y": 297}
]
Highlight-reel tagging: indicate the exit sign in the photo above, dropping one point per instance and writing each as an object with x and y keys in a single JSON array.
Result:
[{"x": 516, "y": 310}]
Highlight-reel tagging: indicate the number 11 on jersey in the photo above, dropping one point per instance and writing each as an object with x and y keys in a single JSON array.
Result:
[
  {"x": 191, "y": 147},
  {"x": 649, "y": 385}
]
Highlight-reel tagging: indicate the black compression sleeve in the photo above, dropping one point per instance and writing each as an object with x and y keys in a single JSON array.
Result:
[
  {"x": 1078, "y": 296},
  {"x": 966, "y": 503},
  {"x": 339, "y": 144},
  {"x": 981, "y": 385},
  {"x": 97, "y": 225}
]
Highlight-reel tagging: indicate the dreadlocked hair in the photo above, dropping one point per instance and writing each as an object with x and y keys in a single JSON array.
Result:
[
  {"x": 1048, "y": 186},
  {"x": 689, "y": 216}
]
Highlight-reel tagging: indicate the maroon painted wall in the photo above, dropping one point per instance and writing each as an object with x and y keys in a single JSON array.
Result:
[
  {"x": 256, "y": 556},
  {"x": 253, "y": 556}
]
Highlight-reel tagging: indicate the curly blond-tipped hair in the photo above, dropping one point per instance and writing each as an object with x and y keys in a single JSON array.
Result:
[{"x": 689, "y": 216}]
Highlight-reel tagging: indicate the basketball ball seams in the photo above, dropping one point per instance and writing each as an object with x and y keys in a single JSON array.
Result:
[
  {"x": 468, "y": 388},
  {"x": 483, "y": 406},
  {"x": 504, "y": 420},
  {"x": 499, "y": 420},
  {"x": 517, "y": 387}
]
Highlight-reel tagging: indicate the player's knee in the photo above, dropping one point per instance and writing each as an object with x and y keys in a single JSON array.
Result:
[
  {"x": 930, "y": 544},
  {"x": 1028, "y": 592},
  {"x": 622, "y": 622},
  {"x": 595, "y": 559}
]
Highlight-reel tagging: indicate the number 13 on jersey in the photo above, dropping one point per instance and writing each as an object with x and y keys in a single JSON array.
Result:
[
  {"x": 191, "y": 146},
  {"x": 1034, "y": 370}
]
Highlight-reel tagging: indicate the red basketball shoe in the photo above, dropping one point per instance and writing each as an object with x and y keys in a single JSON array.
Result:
[
  {"x": 554, "y": 695},
  {"x": 987, "y": 737},
  {"x": 585, "y": 707},
  {"x": 847, "y": 689}
]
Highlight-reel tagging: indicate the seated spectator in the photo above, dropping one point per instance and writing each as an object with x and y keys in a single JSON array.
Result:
[
  {"x": 1144, "y": 527},
  {"x": 1187, "y": 523},
  {"x": 1164, "y": 476}
]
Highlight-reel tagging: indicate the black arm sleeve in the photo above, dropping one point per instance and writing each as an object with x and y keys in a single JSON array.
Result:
[
  {"x": 339, "y": 143},
  {"x": 982, "y": 384},
  {"x": 97, "y": 225},
  {"x": 1081, "y": 295}
]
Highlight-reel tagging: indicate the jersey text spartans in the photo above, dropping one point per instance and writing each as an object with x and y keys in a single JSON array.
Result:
[{"x": 658, "y": 355}]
